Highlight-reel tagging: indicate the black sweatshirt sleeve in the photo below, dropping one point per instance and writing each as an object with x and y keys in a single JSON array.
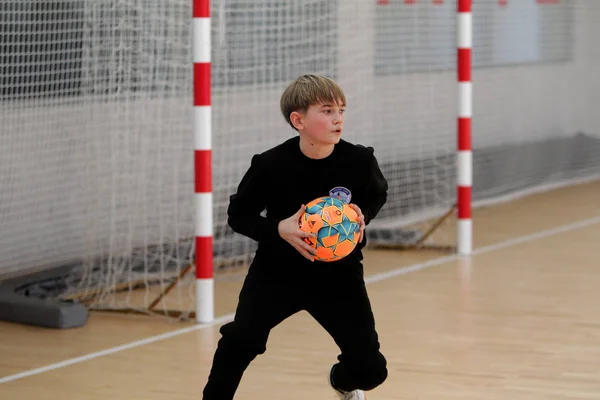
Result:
[
  {"x": 246, "y": 205},
  {"x": 375, "y": 190}
]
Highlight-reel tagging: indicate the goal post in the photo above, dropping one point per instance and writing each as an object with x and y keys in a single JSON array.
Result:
[
  {"x": 464, "y": 157},
  {"x": 202, "y": 130}
]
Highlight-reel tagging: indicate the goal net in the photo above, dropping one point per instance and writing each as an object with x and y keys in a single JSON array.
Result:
[{"x": 96, "y": 143}]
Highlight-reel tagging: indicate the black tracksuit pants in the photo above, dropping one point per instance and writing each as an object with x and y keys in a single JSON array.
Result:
[{"x": 334, "y": 295}]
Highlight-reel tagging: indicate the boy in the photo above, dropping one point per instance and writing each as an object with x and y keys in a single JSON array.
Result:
[{"x": 284, "y": 278}]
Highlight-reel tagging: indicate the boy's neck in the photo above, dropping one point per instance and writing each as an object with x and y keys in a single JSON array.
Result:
[{"x": 314, "y": 150}]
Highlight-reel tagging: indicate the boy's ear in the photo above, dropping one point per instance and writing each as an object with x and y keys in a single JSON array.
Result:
[{"x": 297, "y": 120}]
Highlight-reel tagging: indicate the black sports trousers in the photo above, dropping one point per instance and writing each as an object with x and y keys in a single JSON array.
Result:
[{"x": 333, "y": 294}]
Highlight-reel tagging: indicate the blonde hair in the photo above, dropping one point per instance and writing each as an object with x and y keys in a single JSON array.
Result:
[{"x": 308, "y": 90}]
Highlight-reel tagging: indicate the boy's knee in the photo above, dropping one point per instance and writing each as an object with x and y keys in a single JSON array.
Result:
[{"x": 243, "y": 339}]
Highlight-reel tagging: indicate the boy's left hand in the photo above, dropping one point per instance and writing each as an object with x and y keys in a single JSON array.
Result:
[{"x": 361, "y": 220}]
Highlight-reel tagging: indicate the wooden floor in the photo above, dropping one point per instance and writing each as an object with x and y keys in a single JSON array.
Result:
[{"x": 520, "y": 319}]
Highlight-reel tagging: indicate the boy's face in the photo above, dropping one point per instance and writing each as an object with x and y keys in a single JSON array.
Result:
[{"x": 322, "y": 123}]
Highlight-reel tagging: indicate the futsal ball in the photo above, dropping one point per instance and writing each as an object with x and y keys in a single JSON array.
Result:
[{"x": 336, "y": 225}]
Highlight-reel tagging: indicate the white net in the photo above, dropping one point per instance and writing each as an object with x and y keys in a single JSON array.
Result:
[{"x": 96, "y": 150}]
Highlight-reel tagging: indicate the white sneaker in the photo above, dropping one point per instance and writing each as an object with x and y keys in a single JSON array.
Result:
[{"x": 353, "y": 395}]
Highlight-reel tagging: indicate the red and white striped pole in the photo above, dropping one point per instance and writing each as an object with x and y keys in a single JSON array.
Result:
[
  {"x": 202, "y": 161},
  {"x": 465, "y": 111}
]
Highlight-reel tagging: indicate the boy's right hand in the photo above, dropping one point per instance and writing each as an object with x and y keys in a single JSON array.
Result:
[{"x": 291, "y": 233}]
